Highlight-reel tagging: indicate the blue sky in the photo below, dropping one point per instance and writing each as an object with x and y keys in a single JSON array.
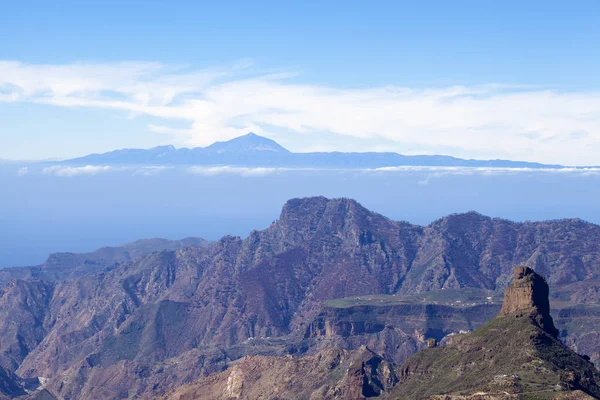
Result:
[{"x": 477, "y": 79}]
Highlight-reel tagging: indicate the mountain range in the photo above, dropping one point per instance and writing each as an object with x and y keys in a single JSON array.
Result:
[
  {"x": 329, "y": 279},
  {"x": 252, "y": 150}
]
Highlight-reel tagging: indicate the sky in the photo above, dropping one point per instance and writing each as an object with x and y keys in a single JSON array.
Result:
[{"x": 474, "y": 79}]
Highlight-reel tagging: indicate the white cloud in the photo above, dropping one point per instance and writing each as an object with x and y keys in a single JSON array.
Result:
[
  {"x": 503, "y": 121},
  {"x": 66, "y": 170},
  {"x": 425, "y": 173},
  {"x": 489, "y": 170},
  {"x": 22, "y": 171},
  {"x": 243, "y": 171},
  {"x": 440, "y": 172},
  {"x": 59, "y": 170},
  {"x": 149, "y": 170}
]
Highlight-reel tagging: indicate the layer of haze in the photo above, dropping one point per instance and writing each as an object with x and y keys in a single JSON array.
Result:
[
  {"x": 80, "y": 210},
  {"x": 510, "y": 79}
]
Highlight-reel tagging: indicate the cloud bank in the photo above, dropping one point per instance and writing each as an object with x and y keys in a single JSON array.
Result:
[
  {"x": 428, "y": 172},
  {"x": 483, "y": 121}
]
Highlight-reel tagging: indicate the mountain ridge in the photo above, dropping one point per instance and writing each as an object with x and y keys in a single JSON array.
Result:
[
  {"x": 153, "y": 323},
  {"x": 64, "y": 264},
  {"x": 252, "y": 150}
]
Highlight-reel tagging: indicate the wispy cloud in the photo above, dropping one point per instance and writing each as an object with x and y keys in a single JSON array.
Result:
[
  {"x": 428, "y": 172},
  {"x": 518, "y": 122},
  {"x": 489, "y": 170},
  {"x": 440, "y": 172},
  {"x": 68, "y": 171},
  {"x": 59, "y": 170},
  {"x": 242, "y": 171},
  {"x": 65, "y": 170}
]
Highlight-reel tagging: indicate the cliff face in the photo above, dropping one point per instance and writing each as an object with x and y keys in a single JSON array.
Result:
[
  {"x": 512, "y": 355},
  {"x": 140, "y": 327},
  {"x": 396, "y": 331}
]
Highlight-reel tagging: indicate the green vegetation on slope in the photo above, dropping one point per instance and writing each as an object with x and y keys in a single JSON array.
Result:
[{"x": 507, "y": 355}]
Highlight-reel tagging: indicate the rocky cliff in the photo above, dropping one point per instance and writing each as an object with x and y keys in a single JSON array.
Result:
[{"x": 394, "y": 331}]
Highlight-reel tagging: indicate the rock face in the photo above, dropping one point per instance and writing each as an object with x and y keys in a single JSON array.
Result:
[
  {"x": 513, "y": 355},
  {"x": 140, "y": 327},
  {"x": 394, "y": 331},
  {"x": 528, "y": 292},
  {"x": 529, "y": 295}
]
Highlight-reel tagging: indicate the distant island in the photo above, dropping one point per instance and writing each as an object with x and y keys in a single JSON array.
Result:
[{"x": 252, "y": 150}]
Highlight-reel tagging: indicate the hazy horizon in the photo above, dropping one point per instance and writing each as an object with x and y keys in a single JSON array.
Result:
[{"x": 79, "y": 211}]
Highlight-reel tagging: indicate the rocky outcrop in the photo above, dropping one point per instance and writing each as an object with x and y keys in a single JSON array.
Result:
[
  {"x": 529, "y": 295},
  {"x": 528, "y": 292}
]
